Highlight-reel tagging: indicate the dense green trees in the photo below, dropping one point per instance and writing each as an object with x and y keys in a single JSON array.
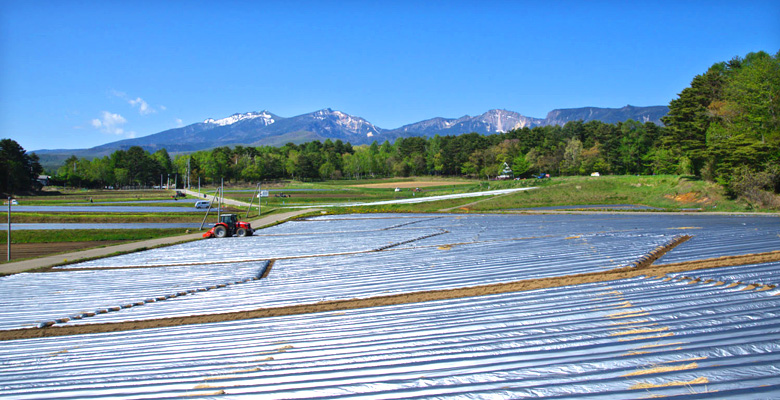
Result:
[
  {"x": 725, "y": 127},
  {"x": 133, "y": 167},
  {"x": 18, "y": 170}
]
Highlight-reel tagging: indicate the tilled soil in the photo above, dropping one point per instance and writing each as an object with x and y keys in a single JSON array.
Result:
[{"x": 30, "y": 250}]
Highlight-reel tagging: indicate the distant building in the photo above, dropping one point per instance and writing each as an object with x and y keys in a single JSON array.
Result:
[
  {"x": 44, "y": 179},
  {"x": 506, "y": 173}
]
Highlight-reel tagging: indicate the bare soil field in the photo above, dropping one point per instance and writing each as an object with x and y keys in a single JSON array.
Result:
[
  {"x": 30, "y": 250},
  {"x": 407, "y": 185}
]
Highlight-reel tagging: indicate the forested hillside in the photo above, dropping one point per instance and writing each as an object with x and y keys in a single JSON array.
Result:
[{"x": 725, "y": 127}]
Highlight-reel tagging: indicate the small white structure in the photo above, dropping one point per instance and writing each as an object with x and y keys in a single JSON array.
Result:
[
  {"x": 506, "y": 173},
  {"x": 595, "y": 174},
  {"x": 44, "y": 179}
]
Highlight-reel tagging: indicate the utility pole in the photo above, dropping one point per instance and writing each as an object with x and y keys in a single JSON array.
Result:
[
  {"x": 188, "y": 173},
  {"x": 9, "y": 229},
  {"x": 221, "y": 195}
]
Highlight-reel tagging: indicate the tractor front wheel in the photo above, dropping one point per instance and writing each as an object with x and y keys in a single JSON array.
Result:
[
  {"x": 220, "y": 231},
  {"x": 240, "y": 232}
]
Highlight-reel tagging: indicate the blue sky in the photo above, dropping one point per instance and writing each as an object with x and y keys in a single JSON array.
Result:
[{"x": 76, "y": 74}]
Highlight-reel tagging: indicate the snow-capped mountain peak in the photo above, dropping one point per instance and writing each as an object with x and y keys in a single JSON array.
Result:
[
  {"x": 266, "y": 118},
  {"x": 500, "y": 121},
  {"x": 348, "y": 122},
  {"x": 267, "y": 129}
]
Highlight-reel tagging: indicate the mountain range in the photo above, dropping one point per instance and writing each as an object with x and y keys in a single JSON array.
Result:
[{"x": 266, "y": 128}]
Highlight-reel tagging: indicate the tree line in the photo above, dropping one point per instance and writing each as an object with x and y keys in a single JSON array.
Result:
[
  {"x": 725, "y": 127},
  {"x": 18, "y": 170}
]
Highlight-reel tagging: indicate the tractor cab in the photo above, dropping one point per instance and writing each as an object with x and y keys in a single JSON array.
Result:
[
  {"x": 229, "y": 225},
  {"x": 229, "y": 220}
]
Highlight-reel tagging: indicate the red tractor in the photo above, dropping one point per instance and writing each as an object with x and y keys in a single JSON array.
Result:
[{"x": 229, "y": 225}]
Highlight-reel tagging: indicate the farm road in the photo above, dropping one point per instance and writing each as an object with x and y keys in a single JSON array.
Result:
[{"x": 43, "y": 262}]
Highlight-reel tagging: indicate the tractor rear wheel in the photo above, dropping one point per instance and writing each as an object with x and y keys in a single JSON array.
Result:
[
  {"x": 240, "y": 232},
  {"x": 220, "y": 231}
]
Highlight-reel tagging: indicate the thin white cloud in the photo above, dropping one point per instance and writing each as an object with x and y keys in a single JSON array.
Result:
[
  {"x": 143, "y": 107},
  {"x": 179, "y": 123},
  {"x": 111, "y": 123}
]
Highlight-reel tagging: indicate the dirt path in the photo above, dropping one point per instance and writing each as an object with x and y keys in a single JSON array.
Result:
[
  {"x": 48, "y": 261},
  {"x": 29, "y": 250}
]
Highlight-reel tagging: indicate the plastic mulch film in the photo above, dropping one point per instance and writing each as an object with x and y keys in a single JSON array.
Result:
[
  {"x": 71, "y": 296},
  {"x": 405, "y": 270},
  {"x": 765, "y": 274},
  {"x": 634, "y": 338}
]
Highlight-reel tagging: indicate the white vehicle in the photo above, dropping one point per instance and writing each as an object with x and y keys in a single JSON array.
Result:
[
  {"x": 202, "y": 204},
  {"x": 13, "y": 202}
]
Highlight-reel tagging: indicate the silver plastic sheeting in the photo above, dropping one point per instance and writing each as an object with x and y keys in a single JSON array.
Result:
[
  {"x": 475, "y": 250},
  {"x": 713, "y": 235},
  {"x": 756, "y": 274},
  {"x": 261, "y": 247},
  {"x": 717, "y": 236},
  {"x": 635, "y": 338},
  {"x": 312, "y": 280},
  {"x": 33, "y": 298},
  {"x": 347, "y": 223}
]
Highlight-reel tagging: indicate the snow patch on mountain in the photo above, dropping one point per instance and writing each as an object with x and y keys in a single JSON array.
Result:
[
  {"x": 348, "y": 122},
  {"x": 266, "y": 118},
  {"x": 500, "y": 121}
]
